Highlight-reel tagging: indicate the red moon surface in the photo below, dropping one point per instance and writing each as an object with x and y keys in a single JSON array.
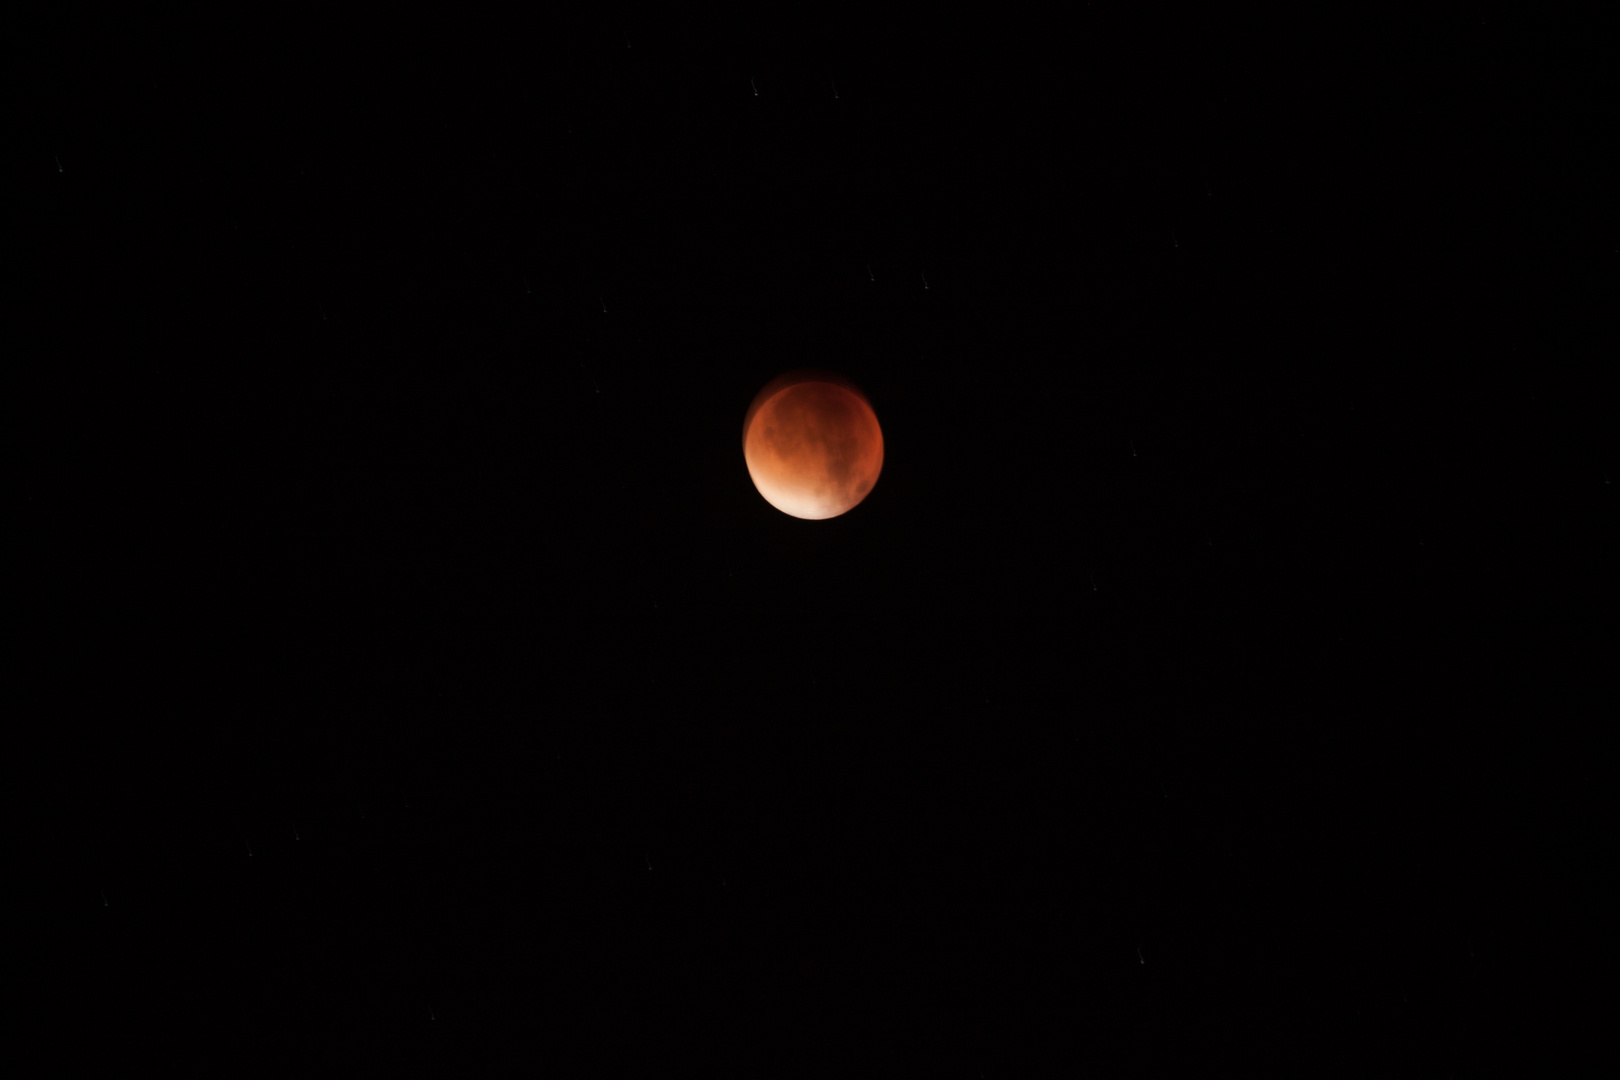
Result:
[{"x": 812, "y": 444}]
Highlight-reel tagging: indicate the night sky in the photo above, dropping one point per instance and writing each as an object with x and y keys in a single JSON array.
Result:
[{"x": 1216, "y": 679}]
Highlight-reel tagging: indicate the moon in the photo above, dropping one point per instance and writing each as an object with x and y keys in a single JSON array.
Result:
[{"x": 812, "y": 444}]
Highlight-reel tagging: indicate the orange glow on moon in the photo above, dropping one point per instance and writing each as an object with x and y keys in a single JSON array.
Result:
[{"x": 812, "y": 444}]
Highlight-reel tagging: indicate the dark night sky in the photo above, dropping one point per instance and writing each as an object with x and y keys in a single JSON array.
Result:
[{"x": 1213, "y": 679}]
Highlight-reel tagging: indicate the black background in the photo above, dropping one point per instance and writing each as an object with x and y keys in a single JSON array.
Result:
[{"x": 1215, "y": 678}]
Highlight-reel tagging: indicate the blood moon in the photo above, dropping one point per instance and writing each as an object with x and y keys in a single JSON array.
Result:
[{"x": 812, "y": 444}]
